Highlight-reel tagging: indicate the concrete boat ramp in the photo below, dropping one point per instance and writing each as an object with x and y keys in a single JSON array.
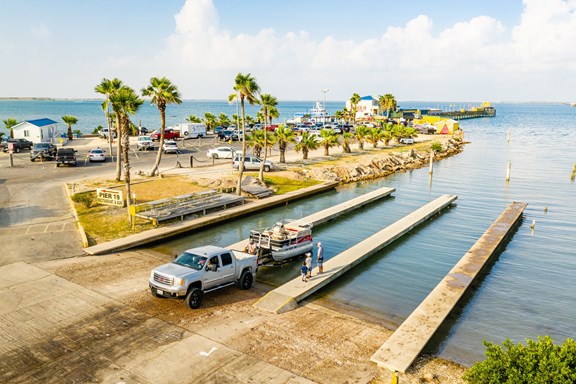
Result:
[
  {"x": 287, "y": 296},
  {"x": 402, "y": 348}
]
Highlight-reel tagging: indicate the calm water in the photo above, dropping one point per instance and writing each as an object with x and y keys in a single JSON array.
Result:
[{"x": 529, "y": 289}]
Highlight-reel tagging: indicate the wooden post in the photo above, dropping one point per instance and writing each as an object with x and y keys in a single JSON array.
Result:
[
  {"x": 430, "y": 170},
  {"x": 191, "y": 161},
  {"x": 508, "y": 170}
]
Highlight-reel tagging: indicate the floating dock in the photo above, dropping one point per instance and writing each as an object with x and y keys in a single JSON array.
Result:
[
  {"x": 287, "y": 296},
  {"x": 402, "y": 348}
]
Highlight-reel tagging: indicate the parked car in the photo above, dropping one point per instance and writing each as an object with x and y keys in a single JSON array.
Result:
[
  {"x": 144, "y": 143},
  {"x": 42, "y": 151},
  {"x": 221, "y": 153},
  {"x": 17, "y": 145},
  {"x": 66, "y": 156},
  {"x": 218, "y": 129},
  {"x": 230, "y": 135},
  {"x": 170, "y": 146},
  {"x": 143, "y": 130},
  {"x": 252, "y": 163},
  {"x": 406, "y": 140},
  {"x": 96, "y": 154},
  {"x": 169, "y": 134},
  {"x": 103, "y": 133},
  {"x": 200, "y": 270}
]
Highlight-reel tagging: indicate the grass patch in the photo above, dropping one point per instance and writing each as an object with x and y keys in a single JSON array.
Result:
[{"x": 281, "y": 184}]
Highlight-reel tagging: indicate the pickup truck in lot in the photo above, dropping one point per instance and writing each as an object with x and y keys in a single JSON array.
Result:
[
  {"x": 17, "y": 145},
  {"x": 200, "y": 270},
  {"x": 42, "y": 151},
  {"x": 169, "y": 134},
  {"x": 66, "y": 156}
]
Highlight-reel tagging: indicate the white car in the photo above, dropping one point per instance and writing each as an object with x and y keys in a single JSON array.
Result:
[
  {"x": 170, "y": 146},
  {"x": 221, "y": 153},
  {"x": 145, "y": 143},
  {"x": 96, "y": 154},
  {"x": 406, "y": 140}
]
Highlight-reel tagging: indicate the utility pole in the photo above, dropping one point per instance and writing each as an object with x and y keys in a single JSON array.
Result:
[{"x": 325, "y": 110}]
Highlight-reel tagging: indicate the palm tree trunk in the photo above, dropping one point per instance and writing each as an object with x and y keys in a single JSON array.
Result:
[
  {"x": 118, "y": 149},
  {"x": 109, "y": 122},
  {"x": 161, "y": 144},
  {"x": 241, "y": 165},
  {"x": 282, "y": 147},
  {"x": 261, "y": 174},
  {"x": 326, "y": 152},
  {"x": 304, "y": 153},
  {"x": 125, "y": 154}
]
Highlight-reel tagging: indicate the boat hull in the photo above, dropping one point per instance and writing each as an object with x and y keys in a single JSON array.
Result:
[{"x": 291, "y": 251}]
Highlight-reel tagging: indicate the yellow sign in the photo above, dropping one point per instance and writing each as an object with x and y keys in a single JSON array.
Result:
[{"x": 109, "y": 197}]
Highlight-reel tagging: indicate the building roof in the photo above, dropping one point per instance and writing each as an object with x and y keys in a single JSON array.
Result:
[
  {"x": 41, "y": 122},
  {"x": 367, "y": 98}
]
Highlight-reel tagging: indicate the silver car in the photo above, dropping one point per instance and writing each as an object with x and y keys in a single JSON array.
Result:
[{"x": 252, "y": 163}]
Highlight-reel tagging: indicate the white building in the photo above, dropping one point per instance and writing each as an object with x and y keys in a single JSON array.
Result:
[
  {"x": 40, "y": 130},
  {"x": 367, "y": 108}
]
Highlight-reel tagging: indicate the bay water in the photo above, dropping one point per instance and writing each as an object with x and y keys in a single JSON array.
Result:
[{"x": 529, "y": 289}]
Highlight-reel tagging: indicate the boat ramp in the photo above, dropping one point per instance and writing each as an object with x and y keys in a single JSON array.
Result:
[{"x": 287, "y": 296}]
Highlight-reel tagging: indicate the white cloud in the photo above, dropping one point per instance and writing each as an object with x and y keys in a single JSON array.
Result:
[{"x": 472, "y": 59}]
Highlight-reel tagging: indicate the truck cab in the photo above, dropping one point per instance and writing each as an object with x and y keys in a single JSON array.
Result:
[{"x": 200, "y": 270}]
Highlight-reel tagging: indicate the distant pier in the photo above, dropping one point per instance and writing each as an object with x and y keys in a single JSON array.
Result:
[{"x": 468, "y": 114}]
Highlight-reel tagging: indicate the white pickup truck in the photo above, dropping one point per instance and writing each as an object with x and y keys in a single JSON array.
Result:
[{"x": 200, "y": 270}]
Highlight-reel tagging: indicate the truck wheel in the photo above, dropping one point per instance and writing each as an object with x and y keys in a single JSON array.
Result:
[
  {"x": 246, "y": 280},
  {"x": 266, "y": 168},
  {"x": 17, "y": 149},
  {"x": 194, "y": 298}
]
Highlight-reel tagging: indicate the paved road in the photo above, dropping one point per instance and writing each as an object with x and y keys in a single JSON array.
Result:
[{"x": 36, "y": 222}]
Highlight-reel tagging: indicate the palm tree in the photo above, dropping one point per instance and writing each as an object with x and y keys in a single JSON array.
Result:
[
  {"x": 388, "y": 102},
  {"x": 70, "y": 120},
  {"x": 163, "y": 92},
  {"x": 193, "y": 119},
  {"x": 354, "y": 100},
  {"x": 328, "y": 139},
  {"x": 284, "y": 136},
  {"x": 108, "y": 88},
  {"x": 347, "y": 139},
  {"x": 223, "y": 120},
  {"x": 361, "y": 134},
  {"x": 306, "y": 144},
  {"x": 209, "y": 120},
  {"x": 125, "y": 102},
  {"x": 267, "y": 102},
  {"x": 255, "y": 140},
  {"x": 246, "y": 89},
  {"x": 374, "y": 136},
  {"x": 339, "y": 115},
  {"x": 9, "y": 123}
]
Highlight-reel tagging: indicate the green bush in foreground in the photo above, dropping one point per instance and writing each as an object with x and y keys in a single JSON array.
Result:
[
  {"x": 538, "y": 362},
  {"x": 86, "y": 198}
]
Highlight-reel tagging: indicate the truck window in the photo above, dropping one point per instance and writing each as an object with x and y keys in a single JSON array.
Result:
[
  {"x": 226, "y": 259},
  {"x": 214, "y": 261}
]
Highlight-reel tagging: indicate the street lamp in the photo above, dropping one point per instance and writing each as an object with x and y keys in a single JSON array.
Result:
[{"x": 325, "y": 110}]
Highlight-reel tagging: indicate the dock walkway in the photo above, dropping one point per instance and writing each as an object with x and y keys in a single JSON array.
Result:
[
  {"x": 287, "y": 296},
  {"x": 402, "y": 348}
]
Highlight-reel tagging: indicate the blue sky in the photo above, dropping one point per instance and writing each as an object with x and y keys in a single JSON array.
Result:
[{"x": 442, "y": 50}]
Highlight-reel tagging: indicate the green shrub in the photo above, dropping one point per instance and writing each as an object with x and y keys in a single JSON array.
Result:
[
  {"x": 97, "y": 130},
  {"x": 538, "y": 362},
  {"x": 436, "y": 146},
  {"x": 85, "y": 198}
]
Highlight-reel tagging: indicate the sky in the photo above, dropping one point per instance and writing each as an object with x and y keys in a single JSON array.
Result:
[{"x": 418, "y": 50}]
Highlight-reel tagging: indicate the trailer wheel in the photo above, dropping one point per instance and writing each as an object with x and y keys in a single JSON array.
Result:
[
  {"x": 194, "y": 298},
  {"x": 246, "y": 280}
]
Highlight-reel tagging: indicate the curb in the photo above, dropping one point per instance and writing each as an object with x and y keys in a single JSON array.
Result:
[{"x": 83, "y": 236}]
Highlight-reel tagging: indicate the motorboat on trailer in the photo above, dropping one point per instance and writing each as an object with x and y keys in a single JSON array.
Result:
[{"x": 285, "y": 240}]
